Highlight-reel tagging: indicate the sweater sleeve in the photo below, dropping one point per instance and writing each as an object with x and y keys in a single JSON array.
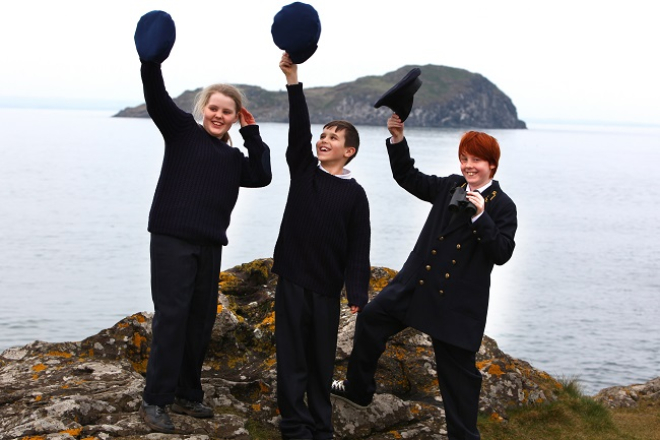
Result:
[
  {"x": 422, "y": 186},
  {"x": 358, "y": 267},
  {"x": 167, "y": 116},
  {"x": 299, "y": 151},
  {"x": 255, "y": 172}
]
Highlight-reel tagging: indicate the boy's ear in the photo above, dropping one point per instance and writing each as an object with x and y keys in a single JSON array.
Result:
[{"x": 349, "y": 152}]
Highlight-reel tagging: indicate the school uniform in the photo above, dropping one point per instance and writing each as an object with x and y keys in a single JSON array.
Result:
[
  {"x": 441, "y": 290},
  {"x": 323, "y": 244},
  {"x": 195, "y": 195}
]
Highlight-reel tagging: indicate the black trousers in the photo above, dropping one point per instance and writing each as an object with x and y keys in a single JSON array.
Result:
[
  {"x": 458, "y": 377},
  {"x": 306, "y": 325},
  {"x": 184, "y": 289}
]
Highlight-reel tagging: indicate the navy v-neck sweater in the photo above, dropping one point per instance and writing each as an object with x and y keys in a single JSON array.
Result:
[
  {"x": 200, "y": 175},
  {"x": 325, "y": 235}
]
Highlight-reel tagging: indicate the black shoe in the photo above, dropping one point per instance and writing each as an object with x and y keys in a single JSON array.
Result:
[
  {"x": 156, "y": 418},
  {"x": 188, "y": 407},
  {"x": 338, "y": 390}
]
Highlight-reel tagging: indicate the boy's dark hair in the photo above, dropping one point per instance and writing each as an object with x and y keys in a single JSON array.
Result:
[{"x": 351, "y": 136}]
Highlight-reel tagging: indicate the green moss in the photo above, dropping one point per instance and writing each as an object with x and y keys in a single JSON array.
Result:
[{"x": 262, "y": 431}]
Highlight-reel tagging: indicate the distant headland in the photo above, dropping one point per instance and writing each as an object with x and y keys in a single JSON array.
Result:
[{"x": 448, "y": 98}]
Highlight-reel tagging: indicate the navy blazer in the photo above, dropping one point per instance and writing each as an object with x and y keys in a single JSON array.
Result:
[{"x": 448, "y": 270}]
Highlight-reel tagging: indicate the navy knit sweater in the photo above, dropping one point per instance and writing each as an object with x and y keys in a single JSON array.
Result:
[
  {"x": 325, "y": 233},
  {"x": 200, "y": 176}
]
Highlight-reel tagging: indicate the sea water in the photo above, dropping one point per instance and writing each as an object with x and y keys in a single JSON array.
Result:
[{"x": 579, "y": 298}]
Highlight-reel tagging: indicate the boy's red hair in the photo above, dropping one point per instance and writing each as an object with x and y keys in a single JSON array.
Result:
[{"x": 482, "y": 145}]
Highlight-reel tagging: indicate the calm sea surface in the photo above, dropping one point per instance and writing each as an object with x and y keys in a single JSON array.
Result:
[{"x": 580, "y": 297}]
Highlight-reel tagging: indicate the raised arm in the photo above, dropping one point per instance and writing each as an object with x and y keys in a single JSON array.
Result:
[
  {"x": 422, "y": 186},
  {"x": 299, "y": 151},
  {"x": 154, "y": 38},
  {"x": 167, "y": 116}
]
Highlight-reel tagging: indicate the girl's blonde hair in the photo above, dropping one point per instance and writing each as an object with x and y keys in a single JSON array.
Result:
[{"x": 202, "y": 99}]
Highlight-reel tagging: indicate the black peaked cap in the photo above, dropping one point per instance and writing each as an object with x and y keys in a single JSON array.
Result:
[{"x": 400, "y": 97}]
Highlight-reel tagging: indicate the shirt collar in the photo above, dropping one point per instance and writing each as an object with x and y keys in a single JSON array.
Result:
[
  {"x": 482, "y": 189},
  {"x": 345, "y": 174}
]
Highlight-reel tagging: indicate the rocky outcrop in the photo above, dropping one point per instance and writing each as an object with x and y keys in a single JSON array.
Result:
[
  {"x": 448, "y": 97},
  {"x": 630, "y": 396},
  {"x": 92, "y": 388}
]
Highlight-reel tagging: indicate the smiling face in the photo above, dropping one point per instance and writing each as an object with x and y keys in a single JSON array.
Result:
[
  {"x": 476, "y": 170},
  {"x": 479, "y": 154},
  {"x": 219, "y": 114},
  {"x": 331, "y": 148}
]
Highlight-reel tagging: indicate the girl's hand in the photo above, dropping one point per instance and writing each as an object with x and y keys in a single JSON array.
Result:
[{"x": 246, "y": 117}]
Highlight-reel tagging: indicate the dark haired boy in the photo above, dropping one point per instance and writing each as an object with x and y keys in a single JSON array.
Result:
[
  {"x": 323, "y": 245},
  {"x": 443, "y": 287}
]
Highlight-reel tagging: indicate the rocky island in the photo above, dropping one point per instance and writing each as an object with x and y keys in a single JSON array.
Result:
[
  {"x": 448, "y": 98},
  {"x": 92, "y": 389}
]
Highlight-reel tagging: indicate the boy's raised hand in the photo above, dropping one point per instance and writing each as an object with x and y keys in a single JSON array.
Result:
[
  {"x": 395, "y": 126},
  {"x": 289, "y": 68}
]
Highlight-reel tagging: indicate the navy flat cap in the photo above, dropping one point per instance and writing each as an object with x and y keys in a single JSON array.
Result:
[
  {"x": 400, "y": 97},
  {"x": 296, "y": 30},
  {"x": 154, "y": 36}
]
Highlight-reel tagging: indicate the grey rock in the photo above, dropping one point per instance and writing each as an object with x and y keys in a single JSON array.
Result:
[
  {"x": 630, "y": 396},
  {"x": 93, "y": 388}
]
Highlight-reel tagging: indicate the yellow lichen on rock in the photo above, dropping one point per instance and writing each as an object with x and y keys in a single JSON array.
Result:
[
  {"x": 259, "y": 269},
  {"x": 380, "y": 277},
  {"x": 228, "y": 281},
  {"x": 39, "y": 368},
  {"x": 138, "y": 339},
  {"x": 268, "y": 323},
  {"x": 495, "y": 369},
  {"x": 139, "y": 317},
  {"x": 59, "y": 354},
  {"x": 141, "y": 366}
]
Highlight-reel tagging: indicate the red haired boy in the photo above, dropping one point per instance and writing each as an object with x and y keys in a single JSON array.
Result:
[{"x": 443, "y": 287}]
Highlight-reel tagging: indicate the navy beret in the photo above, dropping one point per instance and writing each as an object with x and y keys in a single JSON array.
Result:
[
  {"x": 296, "y": 30},
  {"x": 154, "y": 36},
  {"x": 400, "y": 97}
]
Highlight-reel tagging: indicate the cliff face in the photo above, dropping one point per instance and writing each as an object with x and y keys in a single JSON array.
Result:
[
  {"x": 448, "y": 97},
  {"x": 93, "y": 388}
]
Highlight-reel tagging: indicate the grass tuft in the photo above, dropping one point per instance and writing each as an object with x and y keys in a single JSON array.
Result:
[{"x": 573, "y": 416}]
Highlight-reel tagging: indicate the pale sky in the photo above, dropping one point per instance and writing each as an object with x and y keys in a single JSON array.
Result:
[{"x": 566, "y": 60}]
